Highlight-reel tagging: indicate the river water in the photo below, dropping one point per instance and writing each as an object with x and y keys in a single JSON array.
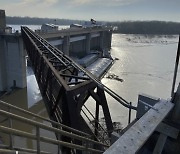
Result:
[{"x": 144, "y": 63}]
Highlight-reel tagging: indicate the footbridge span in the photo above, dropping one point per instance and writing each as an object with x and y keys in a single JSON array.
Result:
[{"x": 65, "y": 87}]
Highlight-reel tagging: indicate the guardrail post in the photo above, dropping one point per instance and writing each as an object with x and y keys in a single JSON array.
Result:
[
  {"x": 129, "y": 120},
  {"x": 10, "y": 134},
  {"x": 38, "y": 139},
  {"x": 59, "y": 137},
  {"x": 86, "y": 146}
]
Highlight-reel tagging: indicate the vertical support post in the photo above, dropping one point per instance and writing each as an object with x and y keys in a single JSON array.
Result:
[
  {"x": 65, "y": 121},
  {"x": 10, "y": 134},
  {"x": 110, "y": 39},
  {"x": 129, "y": 119},
  {"x": 59, "y": 146},
  {"x": 106, "y": 112},
  {"x": 38, "y": 139},
  {"x": 66, "y": 45},
  {"x": 88, "y": 43},
  {"x": 96, "y": 119},
  {"x": 96, "y": 125},
  {"x": 175, "y": 112},
  {"x": 160, "y": 144},
  {"x": 176, "y": 68},
  {"x": 101, "y": 38},
  {"x": 2, "y": 21},
  {"x": 72, "y": 107},
  {"x": 86, "y": 146},
  {"x": 3, "y": 63},
  {"x": 74, "y": 115}
]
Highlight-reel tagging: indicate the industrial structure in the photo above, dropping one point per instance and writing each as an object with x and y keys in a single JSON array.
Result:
[
  {"x": 12, "y": 58},
  {"x": 66, "y": 86},
  {"x": 86, "y": 46}
]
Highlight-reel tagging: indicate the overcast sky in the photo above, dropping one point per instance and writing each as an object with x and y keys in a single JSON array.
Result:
[{"x": 104, "y": 10}]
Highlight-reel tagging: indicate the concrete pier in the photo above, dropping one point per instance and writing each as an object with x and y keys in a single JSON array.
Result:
[
  {"x": 12, "y": 62},
  {"x": 12, "y": 58},
  {"x": 2, "y": 21}
]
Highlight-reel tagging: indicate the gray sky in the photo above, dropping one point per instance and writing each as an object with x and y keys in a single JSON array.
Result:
[{"x": 104, "y": 10}]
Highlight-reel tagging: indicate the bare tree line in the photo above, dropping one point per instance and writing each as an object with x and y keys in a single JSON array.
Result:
[
  {"x": 125, "y": 27},
  {"x": 146, "y": 27}
]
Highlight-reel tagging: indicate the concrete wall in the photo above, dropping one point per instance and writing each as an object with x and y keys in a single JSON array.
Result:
[
  {"x": 77, "y": 49},
  {"x": 80, "y": 45},
  {"x": 3, "y": 81},
  {"x": 12, "y": 62},
  {"x": 2, "y": 20},
  {"x": 95, "y": 43}
]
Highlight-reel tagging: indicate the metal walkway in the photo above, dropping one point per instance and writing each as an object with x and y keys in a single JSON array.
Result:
[{"x": 137, "y": 135}]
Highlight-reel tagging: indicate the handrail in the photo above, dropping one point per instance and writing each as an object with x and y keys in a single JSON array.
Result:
[
  {"x": 95, "y": 119},
  {"x": 56, "y": 130},
  {"x": 100, "y": 135},
  {"x": 42, "y": 118},
  {"x": 38, "y": 138},
  {"x": 46, "y": 139},
  {"x": 93, "y": 126},
  {"x": 21, "y": 151}
]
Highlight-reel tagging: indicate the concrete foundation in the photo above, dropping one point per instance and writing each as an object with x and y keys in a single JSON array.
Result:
[{"x": 12, "y": 62}]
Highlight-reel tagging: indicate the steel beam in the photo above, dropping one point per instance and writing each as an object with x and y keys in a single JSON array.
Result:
[{"x": 135, "y": 137}]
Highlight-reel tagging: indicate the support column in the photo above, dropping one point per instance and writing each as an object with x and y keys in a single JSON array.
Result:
[
  {"x": 66, "y": 45},
  {"x": 106, "y": 112},
  {"x": 12, "y": 62},
  {"x": 16, "y": 65},
  {"x": 101, "y": 44},
  {"x": 2, "y": 21},
  {"x": 3, "y": 74},
  {"x": 175, "y": 113},
  {"x": 88, "y": 43},
  {"x": 96, "y": 119},
  {"x": 109, "y": 39},
  {"x": 74, "y": 116}
]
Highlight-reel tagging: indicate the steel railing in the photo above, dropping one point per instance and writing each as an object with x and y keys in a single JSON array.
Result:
[{"x": 72, "y": 133}]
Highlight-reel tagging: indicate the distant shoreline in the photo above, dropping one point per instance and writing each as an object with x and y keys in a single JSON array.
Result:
[{"x": 124, "y": 27}]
